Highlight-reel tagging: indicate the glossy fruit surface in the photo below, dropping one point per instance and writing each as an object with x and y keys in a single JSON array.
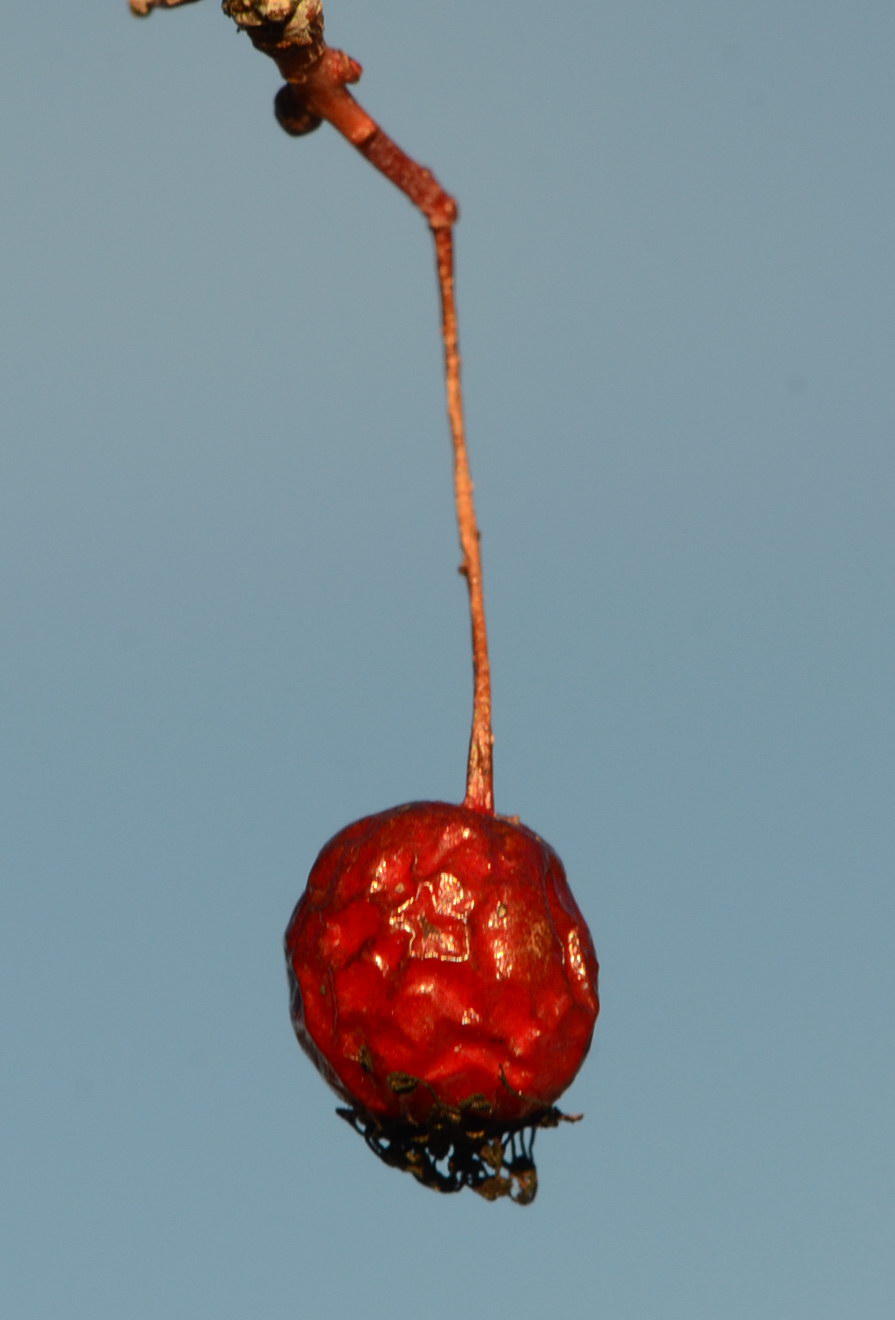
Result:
[{"x": 439, "y": 965}]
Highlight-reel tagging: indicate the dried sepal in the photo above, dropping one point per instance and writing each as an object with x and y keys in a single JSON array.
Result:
[{"x": 456, "y": 1151}]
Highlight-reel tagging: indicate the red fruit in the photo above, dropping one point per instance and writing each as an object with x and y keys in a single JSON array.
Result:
[{"x": 442, "y": 975}]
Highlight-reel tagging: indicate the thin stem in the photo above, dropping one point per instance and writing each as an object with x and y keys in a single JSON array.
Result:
[
  {"x": 335, "y": 104},
  {"x": 291, "y": 33},
  {"x": 480, "y": 766}
]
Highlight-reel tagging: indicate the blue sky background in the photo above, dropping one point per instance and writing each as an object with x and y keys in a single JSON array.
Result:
[{"x": 232, "y": 623}]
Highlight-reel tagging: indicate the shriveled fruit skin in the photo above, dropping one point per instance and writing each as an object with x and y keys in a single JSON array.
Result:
[{"x": 439, "y": 964}]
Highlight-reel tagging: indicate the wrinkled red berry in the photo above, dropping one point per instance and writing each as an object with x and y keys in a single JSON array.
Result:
[{"x": 439, "y": 966}]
